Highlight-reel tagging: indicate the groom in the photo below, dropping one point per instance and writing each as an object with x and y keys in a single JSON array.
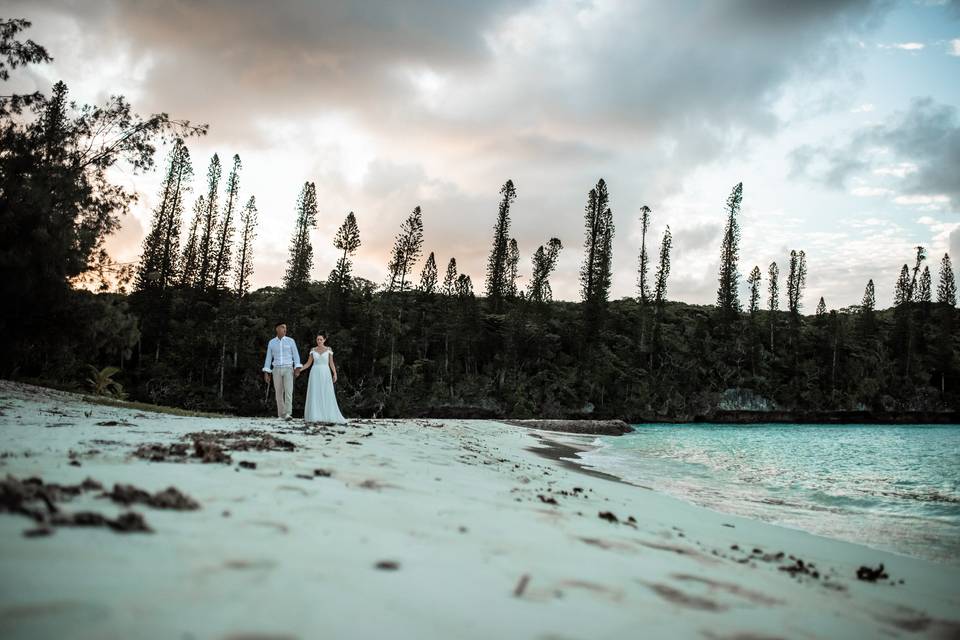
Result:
[{"x": 283, "y": 360}]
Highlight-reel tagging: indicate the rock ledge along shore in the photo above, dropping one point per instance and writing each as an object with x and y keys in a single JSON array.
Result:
[{"x": 586, "y": 427}]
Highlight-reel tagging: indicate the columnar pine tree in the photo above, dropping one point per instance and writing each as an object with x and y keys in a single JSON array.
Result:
[
  {"x": 464, "y": 286},
  {"x": 248, "y": 231},
  {"x": 866, "y": 318},
  {"x": 207, "y": 231},
  {"x": 821, "y": 308},
  {"x": 190, "y": 260},
  {"x": 544, "y": 262},
  {"x": 947, "y": 287},
  {"x": 450, "y": 279},
  {"x": 796, "y": 282},
  {"x": 347, "y": 241},
  {"x": 643, "y": 286},
  {"x": 901, "y": 292},
  {"x": 914, "y": 277},
  {"x": 924, "y": 286},
  {"x": 224, "y": 250},
  {"x": 498, "y": 286},
  {"x": 158, "y": 266},
  {"x": 663, "y": 269},
  {"x": 595, "y": 274},
  {"x": 773, "y": 299},
  {"x": 513, "y": 263},
  {"x": 754, "y": 281},
  {"x": 428, "y": 277},
  {"x": 406, "y": 250},
  {"x": 300, "y": 261},
  {"x": 728, "y": 300}
]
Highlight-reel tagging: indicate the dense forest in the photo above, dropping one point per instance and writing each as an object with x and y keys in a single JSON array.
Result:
[{"x": 182, "y": 327}]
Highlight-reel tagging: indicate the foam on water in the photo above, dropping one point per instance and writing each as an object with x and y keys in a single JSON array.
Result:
[{"x": 890, "y": 487}]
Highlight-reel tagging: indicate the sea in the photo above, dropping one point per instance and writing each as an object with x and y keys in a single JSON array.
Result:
[{"x": 895, "y": 488}]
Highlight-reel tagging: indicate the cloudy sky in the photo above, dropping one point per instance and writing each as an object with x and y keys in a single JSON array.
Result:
[{"x": 840, "y": 117}]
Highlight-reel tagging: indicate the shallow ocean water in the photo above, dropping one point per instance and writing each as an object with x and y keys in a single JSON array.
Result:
[{"x": 891, "y": 487}]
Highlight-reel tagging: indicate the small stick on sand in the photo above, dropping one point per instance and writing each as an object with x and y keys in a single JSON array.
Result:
[{"x": 521, "y": 585}]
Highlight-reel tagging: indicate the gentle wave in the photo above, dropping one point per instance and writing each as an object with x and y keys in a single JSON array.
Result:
[{"x": 890, "y": 487}]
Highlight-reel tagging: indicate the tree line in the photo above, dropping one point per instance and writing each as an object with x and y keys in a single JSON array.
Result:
[{"x": 191, "y": 332}]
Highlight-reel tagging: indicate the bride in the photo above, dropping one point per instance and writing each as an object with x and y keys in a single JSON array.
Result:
[{"x": 321, "y": 401}]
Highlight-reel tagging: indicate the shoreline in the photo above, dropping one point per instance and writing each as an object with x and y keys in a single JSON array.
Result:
[{"x": 408, "y": 528}]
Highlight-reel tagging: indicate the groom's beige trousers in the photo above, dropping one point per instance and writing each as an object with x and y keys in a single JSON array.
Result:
[{"x": 283, "y": 385}]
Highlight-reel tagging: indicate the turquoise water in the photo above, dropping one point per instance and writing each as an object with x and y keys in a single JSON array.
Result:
[{"x": 890, "y": 487}]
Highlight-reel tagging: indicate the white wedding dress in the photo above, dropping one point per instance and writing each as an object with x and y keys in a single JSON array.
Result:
[{"x": 321, "y": 403}]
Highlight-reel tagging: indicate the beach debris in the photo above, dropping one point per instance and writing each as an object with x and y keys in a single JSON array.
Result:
[
  {"x": 114, "y": 423},
  {"x": 869, "y": 574},
  {"x": 608, "y": 516},
  {"x": 322, "y": 473},
  {"x": 74, "y": 463},
  {"x": 799, "y": 567},
  {"x": 305, "y": 476},
  {"x": 387, "y": 565},
  {"x": 246, "y": 464},
  {"x": 729, "y": 525},
  {"x": 521, "y": 585},
  {"x": 352, "y": 442},
  {"x": 129, "y": 522},
  {"x": 169, "y": 498},
  {"x": 546, "y": 499},
  {"x": 212, "y": 446}
]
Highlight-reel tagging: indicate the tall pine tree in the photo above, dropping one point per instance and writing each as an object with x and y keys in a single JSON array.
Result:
[
  {"x": 248, "y": 231},
  {"x": 947, "y": 287},
  {"x": 924, "y": 286},
  {"x": 796, "y": 282},
  {"x": 643, "y": 285},
  {"x": 513, "y": 265},
  {"x": 205, "y": 245},
  {"x": 190, "y": 260},
  {"x": 406, "y": 250},
  {"x": 754, "y": 281},
  {"x": 595, "y": 274},
  {"x": 347, "y": 241},
  {"x": 773, "y": 297},
  {"x": 158, "y": 266},
  {"x": 224, "y": 248},
  {"x": 300, "y": 261},
  {"x": 663, "y": 269},
  {"x": 498, "y": 264},
  {"x": 428, "y": 277},
  {"x": 866, "y": 317},
  {"x": 728, "y": 300},
  {"x": 450, "y": 279},
  {"x": 901, "y": 292},
  {"x": 544, "y": 262}
]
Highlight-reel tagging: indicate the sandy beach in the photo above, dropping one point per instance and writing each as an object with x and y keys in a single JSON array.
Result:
[{"x": 400, "y": 529}]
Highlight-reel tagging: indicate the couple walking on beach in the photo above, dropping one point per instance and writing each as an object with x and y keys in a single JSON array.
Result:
[{"x": 283, "y": 365}]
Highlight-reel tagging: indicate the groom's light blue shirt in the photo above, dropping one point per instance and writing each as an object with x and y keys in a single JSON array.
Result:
[{"x": 281, "y": 352}]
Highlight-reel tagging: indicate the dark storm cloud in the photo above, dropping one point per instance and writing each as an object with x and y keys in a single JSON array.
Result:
[
  {"x": 926, "y": 136},
  {"x": 642, "y": 69}
]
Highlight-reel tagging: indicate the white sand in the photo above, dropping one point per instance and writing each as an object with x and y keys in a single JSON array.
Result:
[{"x": 454, "y": 502}]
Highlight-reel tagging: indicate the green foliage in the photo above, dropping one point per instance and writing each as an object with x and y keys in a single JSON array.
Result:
[
  {"x": 947, "y": 287},
  {"x": 102, "y": 383},
  {"x": 643, "y": 285},
  {"x": 728, "y": 299},
  {"x": 300, "y": 261},
  {"x": 406, "y": 250},
  {"x": 498, "y": 264}
]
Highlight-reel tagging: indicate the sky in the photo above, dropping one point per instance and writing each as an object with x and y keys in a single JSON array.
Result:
[{"x": 840, "y": 118}]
